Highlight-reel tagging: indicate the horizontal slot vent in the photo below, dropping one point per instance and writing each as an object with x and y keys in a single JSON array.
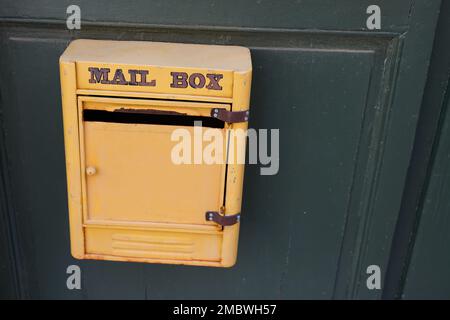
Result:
[
  {"x": 147, "y": 116},
  {"x": 152, "y": 239},
  {"x": 152, "y": 245}
]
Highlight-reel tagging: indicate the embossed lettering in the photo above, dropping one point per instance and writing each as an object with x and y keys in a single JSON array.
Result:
[
  {"x": 214, "y": 79},
  {"x": 179, "y": 80},
  {"x": 197, "y": 80},
  {"x": 99, "y": 75}
]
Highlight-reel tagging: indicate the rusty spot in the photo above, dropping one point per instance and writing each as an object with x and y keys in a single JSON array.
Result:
[{"x": 150, "y": 111}]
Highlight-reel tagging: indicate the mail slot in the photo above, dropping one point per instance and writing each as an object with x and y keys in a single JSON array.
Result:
[{"x": 128, "y": 199}]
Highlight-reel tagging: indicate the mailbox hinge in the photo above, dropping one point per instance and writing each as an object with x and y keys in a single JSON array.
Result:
[
  {"x": 222, "y": 219},
  {"x": 230, "y": 116}
]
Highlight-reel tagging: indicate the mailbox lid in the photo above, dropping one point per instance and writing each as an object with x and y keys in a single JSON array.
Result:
[{"x": 159, "y": 54}]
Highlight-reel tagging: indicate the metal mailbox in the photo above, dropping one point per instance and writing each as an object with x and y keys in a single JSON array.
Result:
[{"x": 128, "y": 200}]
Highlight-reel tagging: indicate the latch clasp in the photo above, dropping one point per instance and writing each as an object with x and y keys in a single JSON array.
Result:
[
  {"x": 222, "y": 219},
  {"x": 230, "y": 116}
]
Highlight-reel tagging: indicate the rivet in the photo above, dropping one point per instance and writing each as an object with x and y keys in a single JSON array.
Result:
[{"x": 90, "y": 171}]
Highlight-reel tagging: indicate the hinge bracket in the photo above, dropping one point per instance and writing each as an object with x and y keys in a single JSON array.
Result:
[
  {"x": 230, "y": 116},
  {"x": 222, "y": 219}
]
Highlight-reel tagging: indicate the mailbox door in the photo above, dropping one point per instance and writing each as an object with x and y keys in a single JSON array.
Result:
[
  {"x": 136, "y": 180},
  {"x": 134, "y": 177}
]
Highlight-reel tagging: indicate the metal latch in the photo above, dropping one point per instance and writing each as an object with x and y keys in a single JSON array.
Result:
[
  {"x": 222, "y": 219},
  {"x": 230, "y": 116}
]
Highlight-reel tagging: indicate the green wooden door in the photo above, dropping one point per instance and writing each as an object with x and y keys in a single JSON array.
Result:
[{"x": 345, "y": 99}]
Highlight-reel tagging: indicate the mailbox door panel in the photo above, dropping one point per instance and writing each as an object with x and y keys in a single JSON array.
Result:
[{"x": 137, "y": 180}]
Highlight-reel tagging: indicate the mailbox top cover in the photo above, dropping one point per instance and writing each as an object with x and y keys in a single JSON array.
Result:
[
  {"x": 160, "y": 54},
  {"x": 158, "y": 67}
]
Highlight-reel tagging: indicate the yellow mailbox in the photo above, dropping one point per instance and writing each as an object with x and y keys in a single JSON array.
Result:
[{"x": 128, "y": 200}]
